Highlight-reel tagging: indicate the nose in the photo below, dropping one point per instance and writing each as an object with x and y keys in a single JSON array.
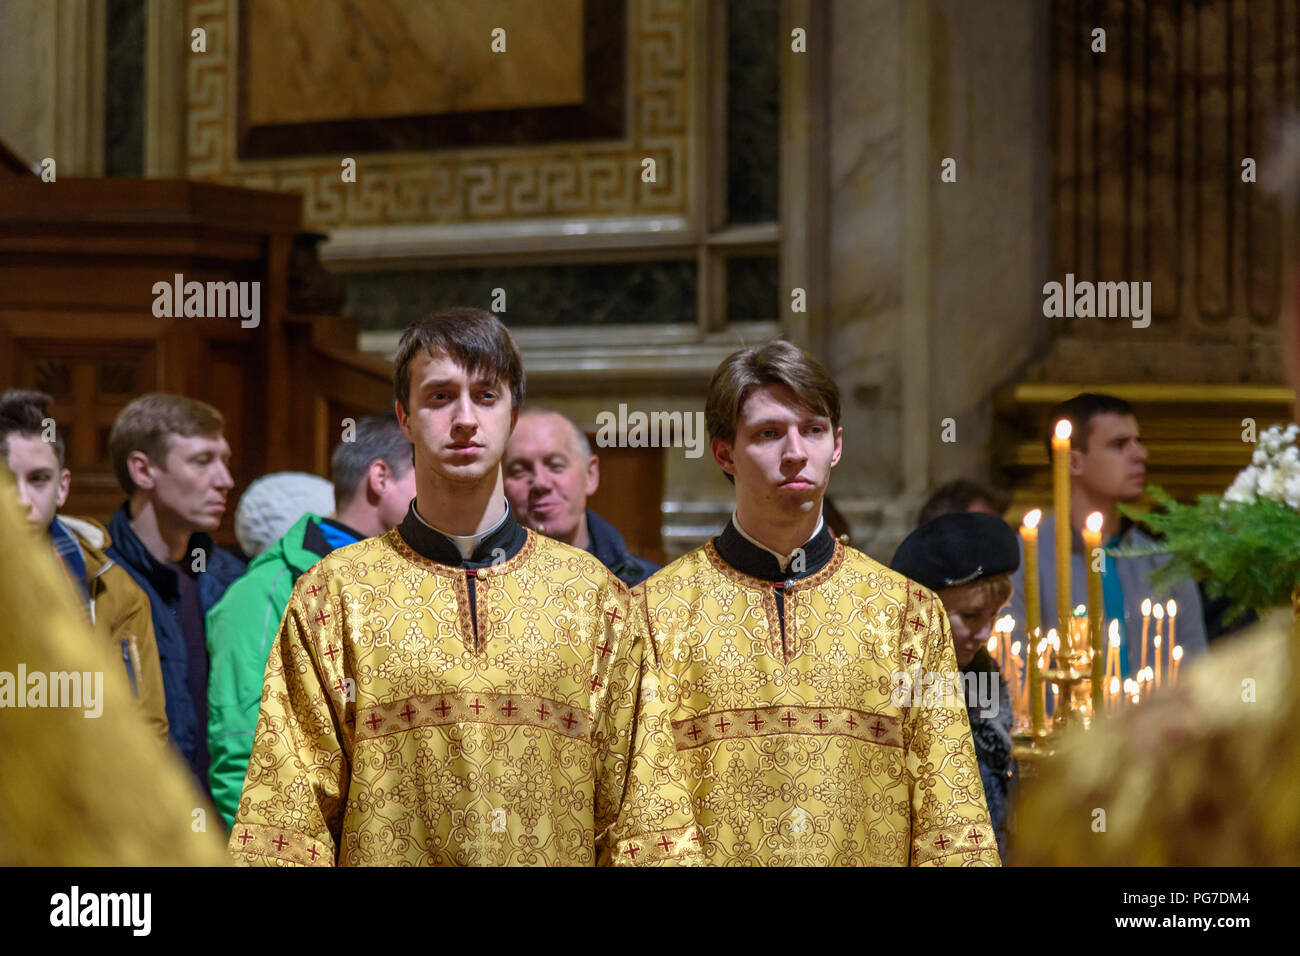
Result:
[
  {"x": 1141, "y": 451},
  {"x": 224, "y": 480},
  {"x": 463, "y": 414},
  {"x": 794, "y": 450},
  {"x": 24, "y": 498}
]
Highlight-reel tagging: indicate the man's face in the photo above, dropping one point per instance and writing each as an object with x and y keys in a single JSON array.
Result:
[
  {"x": 548, "y": 477},
  {"x": 1114, "y": 465},
  {"x": 42, "y": 485},
  {"x": 193, "y": 482},
  {"x": 458, "y": 423},
  {"x": 782, "y": 454},
  {"x": 970, "y": 615}
]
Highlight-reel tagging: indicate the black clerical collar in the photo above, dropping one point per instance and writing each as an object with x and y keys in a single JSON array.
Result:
[
  {"x": 748, "y": 558},
  {"x": 501, "y": 543}
]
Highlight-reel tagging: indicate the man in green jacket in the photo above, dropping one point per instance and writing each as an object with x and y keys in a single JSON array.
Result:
[{"x": 373, "y": 486}]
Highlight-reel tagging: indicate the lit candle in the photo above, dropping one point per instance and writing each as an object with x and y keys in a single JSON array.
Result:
[
  {"x": 1159, "y": 614},
  {"x": 1131, "y": 690},
  {"x": 1112, "y": 652},
  {"x": 1017, "y": 694},
  {"x": 1146, "y": 620},
  {"x": 1061, "y": 513},
  {"x": 1177, "y": 654},
  {"x": 1091, "y": 544},
  {"x": 1033, "y": 619},
  {"x": 1171, "y": 609},
  {"x": 1112, "y": 701}
]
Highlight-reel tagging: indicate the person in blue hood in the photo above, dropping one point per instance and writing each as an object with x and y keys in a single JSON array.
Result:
[{"x": 550, "y": 472}]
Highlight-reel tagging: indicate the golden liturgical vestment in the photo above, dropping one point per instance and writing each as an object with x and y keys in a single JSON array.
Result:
[
  {"x": 784, "y": 712},
  {"x": 420, "y": 709}
]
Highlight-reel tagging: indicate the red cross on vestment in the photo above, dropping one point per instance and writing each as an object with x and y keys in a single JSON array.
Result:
[
  {"x": 613, "y": 615},
  {"x": 877, "y": 729},
  {"x": 321, "y": 618},
  {"x": 942, "y": 842},
  {"x": 788, "y": 719},
  {"x": 509, "y": 709},
  {"x": 820, "y": 721},
  {"x": 476, "y": 707},
  {"x": 542, "y": 712},
  {"x": 632, "y": 851},
  {"x": 408, "y": 712},
  {"x": 332, "y": 653},
  {"x": 374, "y": 720},
  {"x": 442, "y": 708},
  {"x": 755, "y": 722},
  {"x": 281, "y": 842},
  {"x": 604, "y": 649},
  {"x": 244, "y": 838},
  {"x": 722, "y": 724},
  {"x": 666, "y": 843},
  {"x": 570, "y": 720},
  {"x": 314, "y": 590}
]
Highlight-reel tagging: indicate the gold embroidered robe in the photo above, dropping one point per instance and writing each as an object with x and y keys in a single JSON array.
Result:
[
  {"x": 789, "y": 740},
  {"x": 399, "y": 728}
]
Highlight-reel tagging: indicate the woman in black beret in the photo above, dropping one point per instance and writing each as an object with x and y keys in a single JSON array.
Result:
[{"x": 967, "y": 559}]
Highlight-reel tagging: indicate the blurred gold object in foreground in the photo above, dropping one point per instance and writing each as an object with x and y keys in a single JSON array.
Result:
[{"x": 77, "y": 790}]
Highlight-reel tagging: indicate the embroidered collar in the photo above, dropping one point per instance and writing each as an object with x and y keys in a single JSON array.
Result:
[
  {"x": 505, "y": 539},
  {"x": 749, "y": 557}
]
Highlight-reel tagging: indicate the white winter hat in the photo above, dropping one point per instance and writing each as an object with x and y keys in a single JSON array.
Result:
[{"x": 272, "y": 504}]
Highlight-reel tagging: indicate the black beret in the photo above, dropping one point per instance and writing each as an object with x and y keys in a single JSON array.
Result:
[{"x": 956, "y": 549}]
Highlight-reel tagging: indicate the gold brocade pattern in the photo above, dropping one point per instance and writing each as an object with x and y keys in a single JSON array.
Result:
[
  {"x": 789, "y": 740},
  {"x": 397, "y": 729}
]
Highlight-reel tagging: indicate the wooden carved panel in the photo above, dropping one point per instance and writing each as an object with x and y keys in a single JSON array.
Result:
[{"x": 1148, "y": 143}]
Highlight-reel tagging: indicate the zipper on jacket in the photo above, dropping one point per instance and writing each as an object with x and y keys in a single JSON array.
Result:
[{"x": 130, "y": 668}]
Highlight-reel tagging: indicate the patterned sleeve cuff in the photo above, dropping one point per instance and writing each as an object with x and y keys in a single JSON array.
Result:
[
  {"x": 253, "y": 843},
  {"x": 956, "y": 846},
  {"x": 683, "y": 846}
]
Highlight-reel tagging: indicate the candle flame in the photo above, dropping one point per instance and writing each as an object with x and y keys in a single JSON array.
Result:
[
  {"x": 1158, "y": 612},
  {"x": 993, "y": 642},
  {"x": 1015, "y": 649},
  {"x": 1032, "y": 518},
  {"x": 1094, "y": 521},
  {"x": 1156, "y": 640},
  {"x": 1063, "y": 429},
  {"x": 1146, "y": 607},
  {"x": 1172, "y": 607},
  {"x": 1114, "y": 685},
  {"x": 1114, "y": 632},
  {"x": 1178, "y": 652},
  {"x": 1130, "y": 686}
]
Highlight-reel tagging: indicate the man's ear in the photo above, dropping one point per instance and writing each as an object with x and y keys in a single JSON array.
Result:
[
  {"x": 65, "y": 484},
  {"x": 403, "y": 420},
  {"x": 593, "y": 475},
  {"x": 140, "y": 468},
  {"x": 839, "y": 446},
  {"x": 722, "y": 454},
  {"x": 1076, "y": 462}
]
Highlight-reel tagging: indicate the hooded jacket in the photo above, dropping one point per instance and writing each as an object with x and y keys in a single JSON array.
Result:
[
  {"x": 119, "y": 614},
  {"x": 158, "y": 581},
  {"x": 241, "y": 628}
]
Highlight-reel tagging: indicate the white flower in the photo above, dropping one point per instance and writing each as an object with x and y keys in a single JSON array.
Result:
[
  {"x": 1292, "y": 492},
  {"x": 1243, "y": 487},
  {"x": 1260, "y": 458},
  {"x": 1271, "y": 484}
]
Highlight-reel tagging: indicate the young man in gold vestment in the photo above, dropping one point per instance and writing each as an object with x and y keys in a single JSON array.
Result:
[
  {"x": 804, "y": 681},
  {"x": 459, "y": 690}
]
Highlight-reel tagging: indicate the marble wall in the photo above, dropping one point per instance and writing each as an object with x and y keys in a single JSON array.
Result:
[
  {"x": 26, "y": 54},
  {"x": 932, "y": 295}
]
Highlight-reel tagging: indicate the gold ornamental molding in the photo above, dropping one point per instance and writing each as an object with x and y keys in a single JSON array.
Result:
[{"x": 473, "y": 185}]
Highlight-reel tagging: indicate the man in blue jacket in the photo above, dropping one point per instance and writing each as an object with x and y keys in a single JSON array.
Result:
[
  {"x": 550, "y": 473},
  {"x": 171, "y": 459}
]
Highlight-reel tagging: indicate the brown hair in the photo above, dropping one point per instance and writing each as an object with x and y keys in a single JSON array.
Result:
[
  {"x": 776, "y": 363},
  {"x": 474, "y": 339},
  {"x": 149, "y": 423},
  {"x": 24, "y": 412},
  {"x": 996, "y": 588}
]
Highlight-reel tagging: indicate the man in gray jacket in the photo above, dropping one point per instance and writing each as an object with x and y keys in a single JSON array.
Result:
[{"x": 1107, "y": 468}]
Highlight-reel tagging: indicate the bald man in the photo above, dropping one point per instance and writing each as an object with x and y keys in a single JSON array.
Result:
[{"x": 550, "y": 473}]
